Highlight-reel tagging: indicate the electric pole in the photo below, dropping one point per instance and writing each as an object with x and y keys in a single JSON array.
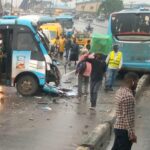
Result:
[{"x": 1, "y": 8}]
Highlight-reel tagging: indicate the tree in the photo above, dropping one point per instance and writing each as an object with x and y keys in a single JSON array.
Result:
[{"x": 109, "y": 6}]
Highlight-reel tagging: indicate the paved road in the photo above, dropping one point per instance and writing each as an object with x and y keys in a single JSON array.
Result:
[
  {"x": 25, "y": 123},
  {"x": 56, "y": 124},
  {"x": 142, "y": 123},
  {"x": 98, "y": 27}
]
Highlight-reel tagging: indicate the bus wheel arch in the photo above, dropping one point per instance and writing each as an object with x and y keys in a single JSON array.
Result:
[{"x": 27, "y": 83}]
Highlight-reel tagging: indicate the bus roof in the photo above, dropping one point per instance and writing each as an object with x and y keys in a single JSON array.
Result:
[
  {"x": 64, "y": 17},
  {"x": 39, "y": 19},
  {"x": 142, "y": 10},
  {"x": 26, "y": 20}
]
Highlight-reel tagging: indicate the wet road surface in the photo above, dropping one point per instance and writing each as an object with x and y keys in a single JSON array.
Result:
[
  {"x": 46, "y": 122},
  {"x": 25, "y": 123}
]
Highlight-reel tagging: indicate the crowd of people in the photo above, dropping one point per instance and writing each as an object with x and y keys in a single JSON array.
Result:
[
  {"x": 91, "y": 69},
  {"x": 98, "y": 68},
  {"x": 66, "y": 47}
]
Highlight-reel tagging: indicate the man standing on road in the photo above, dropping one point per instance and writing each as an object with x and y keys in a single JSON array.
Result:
[
  {"x": 125, "y": 114},
  {"x": 98, "y": 71},
  {"x": 68, "y": 45},
  {"x": 61, "y": 46},
  {"x": 74, "y": 52},
  {"x": 114, "y": 61}
]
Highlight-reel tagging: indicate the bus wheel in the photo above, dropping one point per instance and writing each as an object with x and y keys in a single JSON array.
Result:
[
  {"x": 27, "y": 85},
  {"x": 57, "y": 76}
]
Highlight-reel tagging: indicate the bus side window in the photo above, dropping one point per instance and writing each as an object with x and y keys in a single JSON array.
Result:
[{"x": 25, "y": 41}]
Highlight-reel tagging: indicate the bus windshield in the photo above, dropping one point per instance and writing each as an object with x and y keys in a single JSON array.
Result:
[
  {"x": 131, "y": 26},
  {"x": 44, "y": 40},
  {"x": 53, "y": 34}
]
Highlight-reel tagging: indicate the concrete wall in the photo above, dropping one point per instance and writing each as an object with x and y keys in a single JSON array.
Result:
[{"x": 91, "y": 7}]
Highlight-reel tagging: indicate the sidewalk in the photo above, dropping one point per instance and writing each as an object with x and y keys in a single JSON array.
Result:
[{"x": 143, "y": 122}]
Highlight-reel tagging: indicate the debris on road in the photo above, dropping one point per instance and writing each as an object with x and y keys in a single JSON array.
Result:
[
  {"x": 47, "y": 108},
  {"x": 85, "y": 132},
  {"x": 31, "y": 119},
  {"x": 86, "y": 126},
  {"x": 139, "y": 116},
  {"x": 37, "y": 97},
  {"x": 42, "y": 102},
  {"x": 71, "y": 93},
  {"x": 67, "y": 82}
]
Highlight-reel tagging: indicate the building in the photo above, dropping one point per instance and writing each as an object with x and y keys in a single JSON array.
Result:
[{"x": 88, "y": 6}]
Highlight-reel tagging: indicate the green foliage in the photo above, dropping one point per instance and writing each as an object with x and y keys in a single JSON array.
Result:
[{"x": 109, "y": 6}]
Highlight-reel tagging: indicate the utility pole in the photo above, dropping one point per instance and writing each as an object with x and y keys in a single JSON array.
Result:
[
  {"x": 1, "y": 8},
  {"x": 11, "y": 7}
]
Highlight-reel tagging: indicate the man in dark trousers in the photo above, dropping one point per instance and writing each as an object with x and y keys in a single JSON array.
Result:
[
  {"x": 98, "y": 71},
  {"x": 74, "y": 52},
  {"x": 124, "y": 127}
]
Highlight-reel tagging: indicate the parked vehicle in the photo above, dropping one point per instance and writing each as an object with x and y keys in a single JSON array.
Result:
[
  {"x": 26, "y": 64},
  {"x": 54, "y": 29},
  {"x": 82, "y": 38}
]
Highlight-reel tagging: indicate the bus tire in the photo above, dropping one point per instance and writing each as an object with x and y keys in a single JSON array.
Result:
[{"x": 27, "y": 85}]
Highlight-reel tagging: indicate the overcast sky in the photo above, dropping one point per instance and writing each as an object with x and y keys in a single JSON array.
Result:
[{"x": 17, "y": 2}]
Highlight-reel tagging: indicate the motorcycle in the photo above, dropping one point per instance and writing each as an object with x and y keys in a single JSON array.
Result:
[{"x": 89, "y": 29}]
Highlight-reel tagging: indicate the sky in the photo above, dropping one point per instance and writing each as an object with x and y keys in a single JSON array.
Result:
[{"x": 17, "y": 2}]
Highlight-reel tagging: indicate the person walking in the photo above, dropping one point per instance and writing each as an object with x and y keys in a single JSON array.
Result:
[
  {"x": 98, "y": 71},
  {"x": 56, "y": 46},
  {"x": 83, "y": 78},
  {"x": 61, "y": 46},
  {"x": 74, "y": 52},
  {"x": 68, "y": 45},
  {"x": 124, "y": 126},
  {"x": 114, "y": 61},
  {"x": 88, "y": 45}
]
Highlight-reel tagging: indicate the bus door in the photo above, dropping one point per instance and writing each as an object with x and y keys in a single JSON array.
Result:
[
  {"x": 27, "y": 57},
  {"x": 7, "y": 42}
]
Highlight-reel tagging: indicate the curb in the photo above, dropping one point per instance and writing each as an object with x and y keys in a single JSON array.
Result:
[
  {"x": 144, "y": 80},
  {"x": 100, "y": 136}
]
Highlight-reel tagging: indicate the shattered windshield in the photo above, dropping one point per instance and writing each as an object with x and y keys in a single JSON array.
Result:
[{"x": 44, "y": 40}]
